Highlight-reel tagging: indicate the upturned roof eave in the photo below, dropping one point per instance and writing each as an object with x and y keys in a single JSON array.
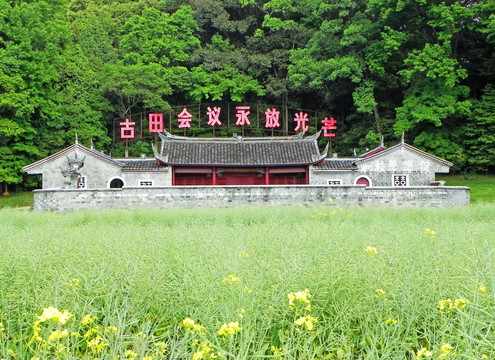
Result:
[{"x": 166, "y": 136}]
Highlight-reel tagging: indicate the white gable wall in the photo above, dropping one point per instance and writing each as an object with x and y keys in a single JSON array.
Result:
[
  {"x": 96, "y": 171},
  {"x": 419, "y": 170}
]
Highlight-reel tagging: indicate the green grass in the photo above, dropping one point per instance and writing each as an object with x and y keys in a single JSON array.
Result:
[
  {"x": 482, "y": 186},
  {"x": 139, "y": 274},
  {"x": 16, "y": 200}
]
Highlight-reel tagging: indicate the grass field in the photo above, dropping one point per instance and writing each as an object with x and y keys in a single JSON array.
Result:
[{"x": 251, "y": 283}]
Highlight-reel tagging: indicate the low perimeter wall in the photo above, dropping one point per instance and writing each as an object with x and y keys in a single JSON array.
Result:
[{"x": 230, "y": 196}]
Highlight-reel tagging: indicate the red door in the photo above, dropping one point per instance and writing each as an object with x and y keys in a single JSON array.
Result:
[
  {"x": 363, "y": 181},
  {"x": 247, "y": 178}
]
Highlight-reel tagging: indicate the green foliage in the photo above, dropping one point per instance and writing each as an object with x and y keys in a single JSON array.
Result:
[
  {"x": 383, "y": 66},
  {"x": 130, "y": 278},
  {"x": 444, "y": 144},
  {"x": 220, "y": 84},
  {"x": 480, "y": 133},
  {"x": 131, "y": 85},
  {"x": 155, "y": 37}
]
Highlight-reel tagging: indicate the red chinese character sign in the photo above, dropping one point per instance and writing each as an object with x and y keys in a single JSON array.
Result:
[
  {"x": 242, "y": 115},
  {"x": 127, "y": 129},
  {"x": 272, "y": 118},
  {"x": 184, "y": 119},
  {"x": 155, "y": 123},
  {"x": 329, "y": 125},
  {"x": 214, "y": 115},
  {"x": 301, "y": 119},
  {"x": 216, "y": 118}
]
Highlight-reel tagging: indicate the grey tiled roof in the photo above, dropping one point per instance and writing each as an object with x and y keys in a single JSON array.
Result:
[
  {"x": 237, "y": 151},
  {"x": 141, "y": 165},
  {"x": 372, "y": 151},
  {"x": 336, "y": 164}
]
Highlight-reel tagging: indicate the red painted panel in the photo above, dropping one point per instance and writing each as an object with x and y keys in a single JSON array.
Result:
[
  {"x": 362, "y": 181},
  {"x": 288, "y": 179},
  {"x": 248, "y": 178},
  {"x": 192, "y": 179}
]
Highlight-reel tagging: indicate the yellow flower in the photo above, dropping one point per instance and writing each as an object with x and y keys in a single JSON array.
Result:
[
  {"x": 240, "y": 312},
  {"x": 57, "y": 334},
  {"x": 429, "y": 232},
  {"x": 130, "y": 354},
  {"x": 1, "y": 327},
  {"x": 88, "y": 319},
  {"x": 111, "y": 329},
  {"x": 482, "y": 288},
  {"x": 446, "y": 350},
  {"x": 246, "y": 290},
  {"x": 74, "y": 283},
  {"x": 460, "y": 303},
  {"x": 229, "y": 329},
  {"x": 299, "y": 296},
  {"x": 380, "y": 292},
  {"x": 446, "y": 306},
  {"x": 97, "y": 344},
  {"x": 306, "y": 321},
  {"x": 371, "y": 250},
  {"x": 192, "y": 327},
  {"x": 391, "y": 321},
  {"x": 141, "y": 335},
  {"x": 204, "y": 351},
  {"x": 276, "y": 350},
  {"x": 232, "y": 279},
  {"x": 161, "y": 346},
  {"x": 243, "y": 254},
  {"x": 51, "y": 313},
  {"x": 424, "y": 353}
]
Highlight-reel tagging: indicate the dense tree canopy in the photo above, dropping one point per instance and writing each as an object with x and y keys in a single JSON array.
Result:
[{"x": 381, "y": 67}]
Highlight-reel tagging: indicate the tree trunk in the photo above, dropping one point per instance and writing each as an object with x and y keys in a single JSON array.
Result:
[{"x": 377, "y": 120}]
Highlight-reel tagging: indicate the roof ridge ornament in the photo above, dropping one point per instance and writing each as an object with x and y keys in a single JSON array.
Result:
[{"x": 402, "y": 138}]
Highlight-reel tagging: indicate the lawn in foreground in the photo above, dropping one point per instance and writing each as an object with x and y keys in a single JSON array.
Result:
[{"x": 250, "y": 283}]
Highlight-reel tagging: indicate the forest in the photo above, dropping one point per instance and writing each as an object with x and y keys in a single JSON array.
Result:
[{"x": 424, "y": 69}]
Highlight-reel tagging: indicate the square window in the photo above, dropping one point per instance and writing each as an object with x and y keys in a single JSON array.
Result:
[
  {"x": 400, "y": 180},
  {"x": 81, "y": 182}
]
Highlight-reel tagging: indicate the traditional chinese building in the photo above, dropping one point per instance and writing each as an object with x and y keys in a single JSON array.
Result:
[
  {"x": 217, "y": 171},
  {"x": 185, "y": 161},
  {"x": 238, "y": 160}
]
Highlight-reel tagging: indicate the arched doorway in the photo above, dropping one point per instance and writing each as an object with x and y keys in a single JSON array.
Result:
[
  {"x": 363, "y": 181},
  {"x": 116, "y": 183}
]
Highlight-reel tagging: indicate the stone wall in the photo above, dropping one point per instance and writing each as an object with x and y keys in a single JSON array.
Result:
[{"x": 231, "y": 196}]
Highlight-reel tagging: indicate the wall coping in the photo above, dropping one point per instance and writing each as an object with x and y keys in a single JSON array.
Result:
[{"x": 393, "y": 188}]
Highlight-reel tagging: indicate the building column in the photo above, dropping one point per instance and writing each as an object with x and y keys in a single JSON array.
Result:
[
  {"x": 267, "y": 177},
  {"x": 214, "y": 175}
]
